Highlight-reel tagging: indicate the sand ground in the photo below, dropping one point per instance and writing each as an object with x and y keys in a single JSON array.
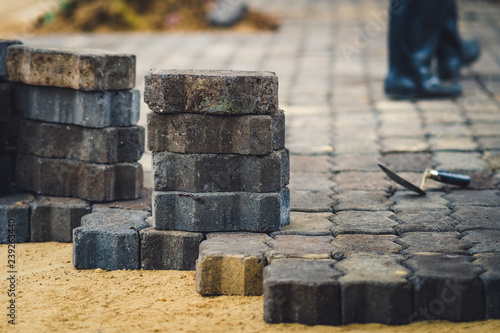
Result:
[{"x": 52, "y": 296}]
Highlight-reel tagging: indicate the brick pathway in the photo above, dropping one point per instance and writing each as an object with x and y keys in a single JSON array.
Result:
[{"x": 398, "y": 250}]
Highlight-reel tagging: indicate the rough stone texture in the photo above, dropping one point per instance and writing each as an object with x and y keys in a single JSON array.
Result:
[
  {"x": 374, "y": 289},
  {"x": 177, "y": 250},
  {"x": 447, "y": 287},
  {"x": 309, "y": 181},
  {"x": 310, "y": 201},
  {"x": 474, "y": 217},
  {"x": 211, "y": 91},
  {"x": 362, "y": 222},
  {"x": 5, "y": 174},
  {"x": 15, "y": 207},
  {"x": 220, "y": 172},
  {"x": 345, "y": 245},
  {"x": 452, "y": 161},
  {"x": 307, "y": 224},
  {"x": 88, "y": 181},
  {"x": 362, "y": 200},
  {"x": 109, "y": 240},
  {"x": 6, "y": 100},
  {"x": 364, "y": 181},
  {"x": 409, "y": 200},
  {"x": 417, "y": 162},
  {"x": 486, "y": 198},
  {"x": 221, "y": 211},
  {"x": 53, "y": 219},
  {"x": 226, "y": 267},
  {"x": 97, "y": 109},
  {"x": 4, "y": 44},
  {"x": 80, "y": 69},
  {"x": 316, "y": 164},
  {"x": 205, "y": 134},
  {"x": 144, "y": 203},
  {"x": 490, "y": 263},
  {"x": 300, "y": 247},
  {"x": 105, "y": 145},
  {"x": 482, "y": 241},
  {"x": 416, "y": 219},
  {"x": 436, "y": 242},
  {"x": 300, "y": 291},
  {"x": 347, "y": 162}
]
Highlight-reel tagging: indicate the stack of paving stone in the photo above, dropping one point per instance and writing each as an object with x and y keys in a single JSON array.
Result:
[
  {"x": 77, "y": 137},
  {"x": 7, "y": 150}
]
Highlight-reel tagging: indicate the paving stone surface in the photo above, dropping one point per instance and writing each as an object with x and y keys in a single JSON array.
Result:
[
  {"x": 482, "y": 241},
  {"x": 88, "y": 181},
  {"x": 417, "y": 162},
  {"x": 220, "y": 172},
  {"x": 307, "y": 224},
  {"x": 211, "y": 92},
  {"x": 486, "y": 198},
  {"x": 106, "y": 146},
  {"x": 221, "y": 211},
  {"x": 307, "y": 181},
  {"x": 374, "y": 288},
  {"x": 225, "y": 267},
  {"x": 346, "y": 245},
  {"x": 15, "y": 218},
  {"x": 490, "y": 263},
  {"x": 207, "y": 134},
  {"x": 169, "y": 250},
  {"x": 471, "y": 218},
  {"x": 300, "y": 247},
  {"x": 109, "y": 240},
  {"x": 302, "y": 291},
  {"x": 362, "y": 201},
  {"x": 459, "y": 161},
  {"x": 404, "y": 200},
  {"x": 435, "y": 242},
  {"x": 446, "y": 287},
  {"x": 53, "y": 219},
  {"x": 424, "y": 220},
  {"x": 96, "y": 109},
  {"x": 310, "y": 201},
  {"x": 4, "y": 45},
  {"x": 357, "y": 180},
  {"x": 363, "y": 222},
  {"x": 88, "y": 70}
]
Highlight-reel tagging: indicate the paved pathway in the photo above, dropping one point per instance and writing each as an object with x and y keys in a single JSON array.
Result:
[{"x": 330, "y": 58}]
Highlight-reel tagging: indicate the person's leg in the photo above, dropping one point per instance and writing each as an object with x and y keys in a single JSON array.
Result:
[
  {"x": 452, "y": 51},
  {"x": 414, "y": 30}
]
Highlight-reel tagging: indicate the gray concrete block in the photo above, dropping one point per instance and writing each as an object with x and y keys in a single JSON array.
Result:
[
  {"x": 435, "y": 242},
  {"x": 362, "y": 201},
  {"x": 96, "y": 109},
  {"x": 447, "y": 287},
  {"x": 88, "y": 181},
  {"x": 302, "y": 291},
  {"x": 482, "y": 241},
  {"x": 211, "y": 92},
  {"x": 177, "y": 250},
  {"x": 417, "y": 219},
  {"x": 307, "y": 224},
  {"x": 345, "y": 245},
  {"x": 105, "y": 146},
  {"x": 231, "y": 264},
  {"x": 485, "y": 198},
  {"x": 109, "y": 240},
  {"x": 220, "y": 172},
  {"x": 374, "y": 289},
  {"x": 5, "y": 175},
  {"x": 4, "y": 44},
  {"x": 301, "y": 247},
  {"x": 310, "y": 201},
  {"x": 5, "y": 101},
  {"x": 363, "y": 222},
  {"x": 15, "y": 218},
  {"x": 206, "y": 134},
  {"x": 490, "y": 263},
  {"x": 221, "y": 211},
  {"x": 80, "y": 69},
  {"x": 53, "y": 219}
]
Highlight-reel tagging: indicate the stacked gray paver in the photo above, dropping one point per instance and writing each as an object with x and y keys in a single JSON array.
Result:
[{"x": 78, "y": 137}]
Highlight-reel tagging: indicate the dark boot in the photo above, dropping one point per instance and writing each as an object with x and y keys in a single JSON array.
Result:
[
  {"x": 414, "y": 29},
  {"x": 453, "y": 52}
]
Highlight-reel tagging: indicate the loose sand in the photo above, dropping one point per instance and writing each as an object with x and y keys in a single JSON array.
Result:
[{"x": 55, "y": 297}]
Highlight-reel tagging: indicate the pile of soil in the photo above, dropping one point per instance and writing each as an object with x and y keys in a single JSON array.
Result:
[{"x": 141, "y": 15}]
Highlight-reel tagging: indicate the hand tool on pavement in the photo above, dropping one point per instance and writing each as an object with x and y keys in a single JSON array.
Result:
[{"x": 446, "y": 177}]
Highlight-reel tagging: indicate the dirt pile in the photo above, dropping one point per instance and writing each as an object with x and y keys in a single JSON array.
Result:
[{"x": 141, "y": 15}]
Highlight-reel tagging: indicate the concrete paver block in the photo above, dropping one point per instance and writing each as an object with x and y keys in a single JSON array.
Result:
[
  {"x": 416, "y": 162},
  {"x": 231, "y": 264},
  {"x": 447, "y": 287},
  {"x": 362, "y": 201},
  {"x": 307, "y": 224},
  {"x": 482, "y": 241},
  {"x": 363, "y": 222},
  {"x": 453, "y": 161},
  {"x": 475, "y": 217},
  {"x": 486, "y": 198},
  {"x": 358, "y": 180},
  {"x": 302, "y": 291},
  {"x": 4, "y": 45},
  {"x": 311, "y": 181},
  {"x": 374, "y": 288},
  {"x": 310, "y": 201},
  {"x": 490, "y": 263},
  {"x": 105, "y": 146},
  {"x": 177, "y": 250},
  {"x": 53, "y": 219},
  {"x": 300, "y": 247},
  {"x": 416, "y": 219},
  {"x": 404, "y": 200},
  {"x": 109, "y": 240},
  {"x": 221, "y": 211},
  {"x": 97, "y": 109},
  {"x": 211, "y": 92},
  {"x": 220, "y": 172},
  {"x": 436, "y": 242},
  {"x": 88, "y": 181},
  {"x": 80, "y": 69},
  {"x": 15, "y": 218},
  {"x": 206, "y": 134},
  {"x": 345, "y": 245}
]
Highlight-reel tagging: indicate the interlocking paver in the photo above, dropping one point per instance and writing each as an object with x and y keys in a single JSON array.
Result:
[
  {"x": 486, "y": 198},
  {"x": 379, "y": 244},
  {"x": 408, "y": 200},
  {"x": 482, "y": 241},
  {"x": 310, "y": 201},
  {"x": 301, "y": 247},
  {"x": 363, "y": 222},
  {"x": 435, "y": 242},
  {"x": 490, "y": 263},
  {"x": 408, "y": 162},
  {"x": 473, "y": 217},
  {"x": 362, "y": 200},
  {"x": 307, "y": 224},
  {"x": 358, "y": 180},
  {"x": 421, "y": 219},
  {"x": 460, "y": 161}
]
